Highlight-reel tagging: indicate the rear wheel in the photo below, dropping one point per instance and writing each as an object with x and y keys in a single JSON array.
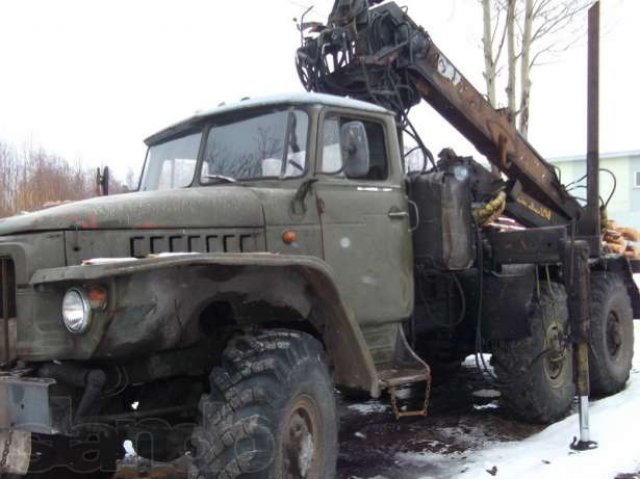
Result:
[
  {"x": 537, "y": 372},
  {"x": 611, "y": 348},
  {"x": 271, "y": 410}
]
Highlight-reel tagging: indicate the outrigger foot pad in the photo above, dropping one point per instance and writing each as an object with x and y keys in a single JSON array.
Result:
[{"x": 581, "y": 445}]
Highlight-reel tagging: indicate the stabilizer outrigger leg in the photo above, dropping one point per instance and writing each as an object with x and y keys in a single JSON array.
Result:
[
  {"x": 576, "y": 277},
  {"x": 577, "y": 273},
  {"x": 407, "y": 369}
]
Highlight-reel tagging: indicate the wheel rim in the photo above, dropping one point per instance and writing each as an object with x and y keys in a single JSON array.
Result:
[
  {"x": 614, "y": 335},
  {"x": 554, "y": 359},
  {"x": 301, "y": 450}
]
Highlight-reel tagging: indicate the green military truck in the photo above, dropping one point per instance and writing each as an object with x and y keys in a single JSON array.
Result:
[{"x": 276, "y": 250}]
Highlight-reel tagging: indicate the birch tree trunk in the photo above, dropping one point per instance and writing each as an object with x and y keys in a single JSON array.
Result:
[
  {"x": 487, "y": 42},
  {"x": 511, "y": 59},
  {"x": 525, "y": 69}
]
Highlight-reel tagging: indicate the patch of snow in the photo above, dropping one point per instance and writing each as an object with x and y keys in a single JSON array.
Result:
[
  {"x": 470, "y": 361},
  {"x": 360, "y": 435},
  {"x": 451, "y": 465},
  {"x": 403, "y": 393},
  {"x": 108, "y": 261},
  {"x": 128, "y": 448},
  {"x": 486, "y": 393},
  {"x": 369, "y": 407}
]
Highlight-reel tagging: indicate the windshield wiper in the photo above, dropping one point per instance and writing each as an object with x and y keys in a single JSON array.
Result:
[{"x": 222, "y": 178}]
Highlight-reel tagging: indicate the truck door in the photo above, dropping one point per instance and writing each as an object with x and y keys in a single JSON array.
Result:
[{"x": 364, "y": 219}]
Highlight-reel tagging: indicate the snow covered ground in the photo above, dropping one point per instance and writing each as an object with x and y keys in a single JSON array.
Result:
[{"x": 615, "y": 425}]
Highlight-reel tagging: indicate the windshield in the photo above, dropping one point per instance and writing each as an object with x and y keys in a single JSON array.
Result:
[
  {"x": 263, "y": 146},
  {"x": 171, "y": 164}
]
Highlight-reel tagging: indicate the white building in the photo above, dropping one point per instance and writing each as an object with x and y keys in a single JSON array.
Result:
[{"x": 624, "y": 206}]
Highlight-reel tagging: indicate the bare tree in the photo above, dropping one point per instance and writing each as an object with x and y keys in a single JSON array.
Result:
[
  {"x": 512, "y": 58},
  {"x": 8, "y": 171},
  {"x": 491, "y": 22},
  {"x": 525, "y": 68},
  {"x": 33, "y": 178},
  {"x": 536, "y": 31}
]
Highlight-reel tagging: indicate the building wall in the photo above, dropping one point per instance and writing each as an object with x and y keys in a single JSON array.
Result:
[
  {"x": 634, "y": 168},
  {"x": 624, "y": 206}
]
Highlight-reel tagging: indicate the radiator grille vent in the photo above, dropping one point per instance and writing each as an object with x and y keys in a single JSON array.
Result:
[
  {"x": 141, "y": 246},
  {"x": 7, "y": 304},
  {"x": 7, "y": 289}
]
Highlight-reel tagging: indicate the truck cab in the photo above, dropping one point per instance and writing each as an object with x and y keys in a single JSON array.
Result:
[
  {"x": 287, "y": 216},
  {"x": 329, "y": 178}
]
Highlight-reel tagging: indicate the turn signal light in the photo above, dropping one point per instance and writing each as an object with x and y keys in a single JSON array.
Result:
[
  {"x": 289, "y": 236},
  {"x": 97, "y": 297}
]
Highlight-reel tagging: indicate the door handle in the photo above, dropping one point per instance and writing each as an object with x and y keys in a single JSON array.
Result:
[{"x": 398, "y": 215}]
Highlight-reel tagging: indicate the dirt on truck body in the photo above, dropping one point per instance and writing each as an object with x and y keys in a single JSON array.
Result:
[{"x": 280, "y": 248}]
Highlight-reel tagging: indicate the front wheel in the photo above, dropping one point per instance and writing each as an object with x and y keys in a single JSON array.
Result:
[{"x": 270, "y": 412}]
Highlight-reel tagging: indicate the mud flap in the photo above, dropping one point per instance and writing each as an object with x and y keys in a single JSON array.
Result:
[{"x": 15, "y": 452}]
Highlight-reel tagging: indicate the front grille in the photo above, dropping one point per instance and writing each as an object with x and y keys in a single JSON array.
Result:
[{"x": 7, "y": 305}]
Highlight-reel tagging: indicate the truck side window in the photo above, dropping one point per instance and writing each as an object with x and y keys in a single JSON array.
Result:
[
  {"x": 171, "y": 164},
  {"x": 254, "y": 147},
  {"x": 331, "y": 162}
]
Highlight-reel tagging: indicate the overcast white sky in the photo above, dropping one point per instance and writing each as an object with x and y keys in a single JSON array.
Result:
[{"x": 90, "y": 80}]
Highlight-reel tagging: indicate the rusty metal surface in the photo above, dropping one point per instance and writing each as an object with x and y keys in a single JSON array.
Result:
[
  {"x": 384, "y": 57},
  {"x": 575, "y": 259},
  {"x": 489, "y": 131},
  {"x": 536, "y": 245}
]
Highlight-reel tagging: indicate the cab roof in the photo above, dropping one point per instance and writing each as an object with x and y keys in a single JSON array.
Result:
[{"x": 259, "y": 102}]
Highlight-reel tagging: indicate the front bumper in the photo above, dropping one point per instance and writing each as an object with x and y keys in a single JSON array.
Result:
[{"x": 33, "y": 405}]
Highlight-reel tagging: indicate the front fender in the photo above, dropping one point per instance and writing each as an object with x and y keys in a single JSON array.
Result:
[{"x": 154, "y": 304}]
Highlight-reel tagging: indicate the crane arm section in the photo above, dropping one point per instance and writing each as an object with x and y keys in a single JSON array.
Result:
[{"x": 379, "y": 54}]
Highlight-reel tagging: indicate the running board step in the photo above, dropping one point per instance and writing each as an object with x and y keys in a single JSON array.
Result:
[
  {"x": 392, "y": 379},
  {"x": 407, "y": 369}
]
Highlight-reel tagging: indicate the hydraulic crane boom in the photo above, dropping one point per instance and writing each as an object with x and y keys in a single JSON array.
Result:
[{"x": 378, "y": 54}]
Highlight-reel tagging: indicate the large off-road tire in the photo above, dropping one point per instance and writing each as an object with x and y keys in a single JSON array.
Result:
[
  {"x": 611, "y": 349},
  {"x": 271, "y": 411},
  {"x": 537, "y": 372}
]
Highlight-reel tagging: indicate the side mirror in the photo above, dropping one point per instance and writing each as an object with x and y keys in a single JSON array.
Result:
[
  {"x": 355, "y": 149},
  {"x": 102, "y": 181}
]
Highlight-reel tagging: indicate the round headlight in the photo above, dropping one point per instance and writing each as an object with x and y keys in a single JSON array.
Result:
[{"x": 76, "y": 311}]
